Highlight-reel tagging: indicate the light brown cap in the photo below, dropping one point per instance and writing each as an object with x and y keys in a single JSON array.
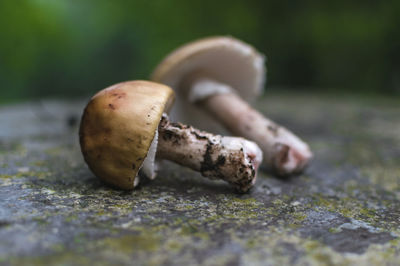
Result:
[
  {"x": 224, "y": 59},
  {"x": 118, "y": 126}
]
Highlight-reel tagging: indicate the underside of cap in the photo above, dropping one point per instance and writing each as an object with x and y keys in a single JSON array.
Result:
[
  {"x": 118, "y": 128},
  {"x": 149, "y": 166},
  {"x": 224, "y": 59}
]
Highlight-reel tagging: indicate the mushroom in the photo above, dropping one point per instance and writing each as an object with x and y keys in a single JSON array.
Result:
[
  {"x": 219, "y": 75},
  {"x": 125, "y": 126}
]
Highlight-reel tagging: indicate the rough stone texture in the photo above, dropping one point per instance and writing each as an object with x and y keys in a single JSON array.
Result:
[{"x": 344, "y": 210}]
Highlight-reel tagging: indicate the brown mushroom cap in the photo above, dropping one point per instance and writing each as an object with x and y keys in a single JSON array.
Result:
[
  {"x": 118, "y": 126},
  {"x": 224, "y": 59}
]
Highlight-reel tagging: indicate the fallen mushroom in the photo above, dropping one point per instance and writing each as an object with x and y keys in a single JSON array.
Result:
[
  {"x": 124, "y": 125},
  {"x": 220, "y": 74}
]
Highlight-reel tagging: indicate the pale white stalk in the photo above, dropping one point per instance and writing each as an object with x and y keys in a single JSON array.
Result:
[
  {"x": 284, "y": 153},
  {"x": 232, "y": 159}
]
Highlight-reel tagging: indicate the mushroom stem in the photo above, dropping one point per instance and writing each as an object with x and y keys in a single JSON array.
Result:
[
  {"x": 231, "y": 159},
  {"x": 284, "y": 153}
]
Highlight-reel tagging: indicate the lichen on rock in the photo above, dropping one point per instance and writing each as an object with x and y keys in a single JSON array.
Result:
[{"x": 342, "y": 210}]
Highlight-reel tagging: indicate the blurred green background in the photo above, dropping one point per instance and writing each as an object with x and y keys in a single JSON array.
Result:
[{"x": 70, "y": 48}]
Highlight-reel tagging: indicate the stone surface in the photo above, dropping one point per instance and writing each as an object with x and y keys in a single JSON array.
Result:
[{"x": 344, "y": 209}]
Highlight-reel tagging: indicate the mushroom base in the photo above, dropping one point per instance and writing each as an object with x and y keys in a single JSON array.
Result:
[{"x": 231, "y": 159}]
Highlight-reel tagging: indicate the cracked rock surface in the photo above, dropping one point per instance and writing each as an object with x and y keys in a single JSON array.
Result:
[{"x": 343, "y": 210}]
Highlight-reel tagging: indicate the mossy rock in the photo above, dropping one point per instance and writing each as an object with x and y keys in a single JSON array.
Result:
[{"x": 343, "y": 210}]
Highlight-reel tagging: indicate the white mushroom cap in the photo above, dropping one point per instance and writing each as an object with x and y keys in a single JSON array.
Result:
[{"x": 223, "y": 59}]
